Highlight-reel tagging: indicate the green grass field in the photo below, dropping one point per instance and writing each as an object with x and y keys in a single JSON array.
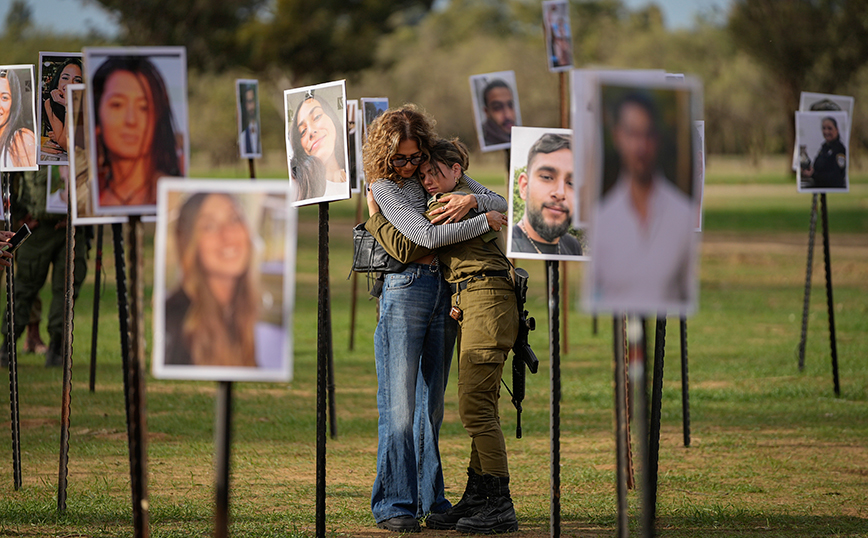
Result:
[{"x": 773, "y": 454}]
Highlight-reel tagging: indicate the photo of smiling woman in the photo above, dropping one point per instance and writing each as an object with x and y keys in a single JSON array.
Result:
[
  {"x": 17, "y": 118},
  {"x": 137, "y": 129},
  {"x": 316, "y": 142},
  {"x": 221, "y": 289},
  {"x": 56, "y": 72}
]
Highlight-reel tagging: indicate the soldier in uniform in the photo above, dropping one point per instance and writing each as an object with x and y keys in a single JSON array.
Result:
[
  {"x": 44, "y": 250},
  {"x": 484, "y": 303},
  {"x": 829, "y": 169}
]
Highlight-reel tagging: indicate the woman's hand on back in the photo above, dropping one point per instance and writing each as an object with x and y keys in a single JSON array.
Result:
[
  {"x": 373, "y": 207},
  {"x": 456, "y": 208},
  {"x": 496, "y": 220}
]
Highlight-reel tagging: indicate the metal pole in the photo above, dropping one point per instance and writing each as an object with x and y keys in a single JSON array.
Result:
[
  {"x": 323, "y": 342},
  {"x": 639, "y": 379},
  {"x": 132, "y": 396},
  {"x": 355, "y": 281},
  {"x": 656, "y": 407},
  {"x": 66, "y": 391},
  {"x": 330, "y": 374},
  {"x": 222, "y": 450},
  {"x": 808, "y": 272},
  {"x": 251, "y": 168},
  {"x": 685, "y": 386},
  {"x": 830, "y": 304},
  {"x": 555, "y": 397},
  {"x": 564, "y": 89},
  {"x": 96, "y": 298},
  {"x": 11, "y": 348},
  {"x": 621, "y": 426}
]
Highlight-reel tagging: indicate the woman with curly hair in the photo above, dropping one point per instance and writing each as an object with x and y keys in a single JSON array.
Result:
[
  {"x": 415, "y": 336},
  {"x": 17, "y": 141}
]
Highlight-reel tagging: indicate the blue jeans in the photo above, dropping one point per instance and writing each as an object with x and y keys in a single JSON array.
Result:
[{"x": 413, "y": 349}]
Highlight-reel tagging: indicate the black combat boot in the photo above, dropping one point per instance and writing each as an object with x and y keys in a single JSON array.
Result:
[
  {"x": 470, "y": 502},
  {"x": 498, "y": 514},
  {"x": 54, "y": 355}
]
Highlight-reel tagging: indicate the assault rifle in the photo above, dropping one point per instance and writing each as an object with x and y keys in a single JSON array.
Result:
[{"x": 523, "y": 355}]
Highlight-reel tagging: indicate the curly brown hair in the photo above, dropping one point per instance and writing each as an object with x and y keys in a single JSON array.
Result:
[{"x": 408, "y": 122}]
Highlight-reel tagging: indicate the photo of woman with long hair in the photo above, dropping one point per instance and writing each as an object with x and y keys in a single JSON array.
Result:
[
  {"x": 136, "y": 136},
  {"x": 63, "y": 71},
  {"x": 17, "y": 118},
  {"x": 224, "y": 266},
  {"x": 316, "y": 141},
  {"x": 210, "y": 318}
]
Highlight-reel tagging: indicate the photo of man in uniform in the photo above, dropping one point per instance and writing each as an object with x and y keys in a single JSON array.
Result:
[
  {"x": 643, "y": 230},
  {"x": 546, "y": 187},
  {"x": 250, "y": 133}
]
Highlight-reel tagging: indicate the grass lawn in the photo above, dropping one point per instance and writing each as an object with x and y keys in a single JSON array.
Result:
[{"x": 773, "y": 454}]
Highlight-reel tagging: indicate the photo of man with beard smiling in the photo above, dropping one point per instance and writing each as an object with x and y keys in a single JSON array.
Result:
[{"x": 546, "y": 188}]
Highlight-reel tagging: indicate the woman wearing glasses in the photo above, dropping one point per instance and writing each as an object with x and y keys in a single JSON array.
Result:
[{"x": 415, "y": 336}]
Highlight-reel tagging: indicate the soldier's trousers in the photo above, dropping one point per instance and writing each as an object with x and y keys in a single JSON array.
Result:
[{"x": 486, "y": 334}]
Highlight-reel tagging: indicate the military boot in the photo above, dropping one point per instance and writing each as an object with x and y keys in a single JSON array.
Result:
[
  {"x": 54, "y": 355},
  {"x": 498, "y": 513},
  {"x": 470, "y": 502}
]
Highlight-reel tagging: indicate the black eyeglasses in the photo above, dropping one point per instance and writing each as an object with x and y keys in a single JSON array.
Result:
[{"x": 415, "y": 160}]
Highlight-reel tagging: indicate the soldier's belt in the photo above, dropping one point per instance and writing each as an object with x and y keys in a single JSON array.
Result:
[{"x": 460, "y": 286}]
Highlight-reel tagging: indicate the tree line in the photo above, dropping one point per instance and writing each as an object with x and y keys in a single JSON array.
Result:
[{"x": 753, "y": 60}]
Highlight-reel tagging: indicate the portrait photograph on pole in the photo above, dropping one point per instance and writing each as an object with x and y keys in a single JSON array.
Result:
[
  {"x": 699, "y": 148},
  {"x": 542, "y": 196},
  {"x": 559, "y": 36},
  {"x": 644, "y": 212},
  {"x": 495, "y": 108},
  {"x": 316, "y": 142},
  {"x": 224, "y": 280},
  {"x": 823, "y": 139},
  {"x": 249, "y": 126},
  {"x": 137, "y": 111},
  {"x": 812, "y": 101},
  {"x": 80, "y": 186},
  {"x": 17, "y": 119},
  {"x": 353, "y": 147},
  {"x": 372, "y": 108},
  {"x": 57, "y": 189},
  {"x": 57, "y": 70}
]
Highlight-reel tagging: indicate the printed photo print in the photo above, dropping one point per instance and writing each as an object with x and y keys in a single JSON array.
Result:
[
  {"x": 495, "y": 108},
  {"x": 57, "y": 189},
  {"x": 79, "y": 188},
  {"x": 372, "y": 108},
  {"x": 249, "y": 126},
  {"x": 819, "y": 102},
  {"x": 18, "y": 145},
  {"x": 57, "y": 70},
  {"x": 644, "y": 217},
  {"x": 316, "y": 142},
  {"x": 823, "y": 139},
  {"x": 542, "y": 196},
  {"x": 224, "y": 280},
  {"x": 559, "y": 37},
  {"x": 137, "y": 108},
  {"x": 353, "y": 149}
]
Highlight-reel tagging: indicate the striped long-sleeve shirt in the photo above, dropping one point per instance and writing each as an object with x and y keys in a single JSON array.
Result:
[{"x": 404, "y": 208}]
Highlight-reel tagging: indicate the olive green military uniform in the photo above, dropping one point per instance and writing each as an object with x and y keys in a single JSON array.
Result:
[
  {"x": 44, "y": 249},
  {"x": 487, "y": 329}
]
